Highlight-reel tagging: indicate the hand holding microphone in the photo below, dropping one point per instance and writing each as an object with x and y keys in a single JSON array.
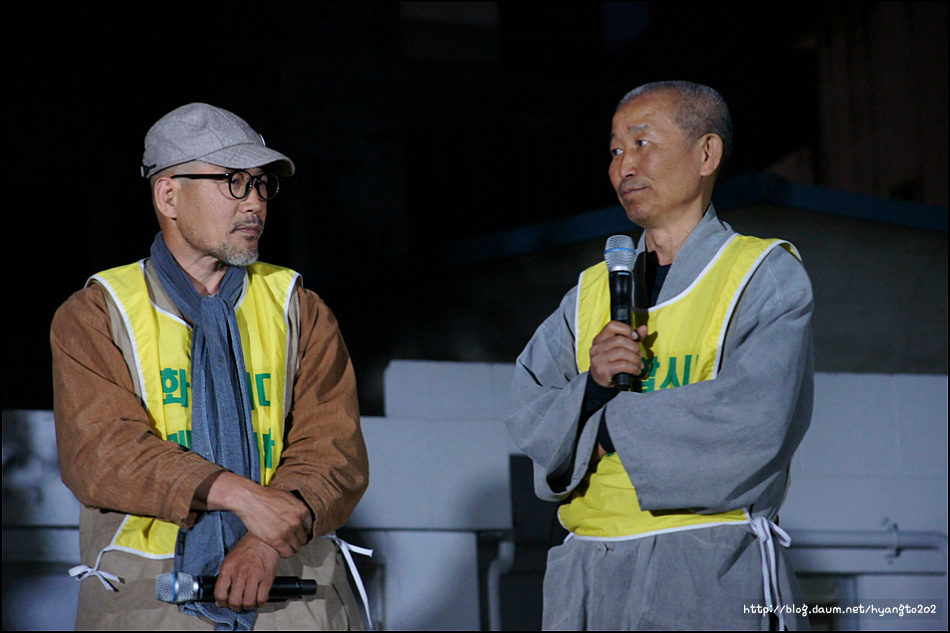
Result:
[
  {"x": 615, "y": 351},
  {"x": 178, "y": 587}
]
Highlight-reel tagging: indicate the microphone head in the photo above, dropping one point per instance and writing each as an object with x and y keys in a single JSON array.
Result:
[
  {"x": 619, "y": 253},
  {"x": 175, "y": 587}
]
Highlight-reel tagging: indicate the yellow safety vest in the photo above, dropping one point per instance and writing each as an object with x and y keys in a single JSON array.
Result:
[
  {"x": 679, "y": 349},
  {"x": 160, "y": 363}
]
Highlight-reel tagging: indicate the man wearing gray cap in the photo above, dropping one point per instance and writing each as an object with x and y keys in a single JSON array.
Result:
[{"x": 205, "y": 404}]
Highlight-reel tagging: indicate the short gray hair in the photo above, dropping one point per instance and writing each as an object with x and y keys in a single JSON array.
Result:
[{"x": 699, "y": 110}]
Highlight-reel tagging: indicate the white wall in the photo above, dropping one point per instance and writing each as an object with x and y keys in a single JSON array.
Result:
[
  {"x": 876, "y": 450},
  {"x": 876, "y": 455}
]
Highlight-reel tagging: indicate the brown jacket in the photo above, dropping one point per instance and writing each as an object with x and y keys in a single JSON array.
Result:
[{"x": 114, "y": 463}]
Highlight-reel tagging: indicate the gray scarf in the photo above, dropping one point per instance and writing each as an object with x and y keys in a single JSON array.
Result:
[{"x": 221, "y": 429}]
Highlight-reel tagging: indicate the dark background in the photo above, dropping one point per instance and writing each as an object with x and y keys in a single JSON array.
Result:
[{"x": 416, "y": 126}]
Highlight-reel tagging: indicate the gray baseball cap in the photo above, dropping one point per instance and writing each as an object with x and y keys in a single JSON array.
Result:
[{"x": 199, "y": 131}]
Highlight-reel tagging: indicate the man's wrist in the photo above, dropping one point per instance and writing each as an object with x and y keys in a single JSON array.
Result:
[
  {"x": 199, "y": 502},
  {"x": 229, "y": 492}
]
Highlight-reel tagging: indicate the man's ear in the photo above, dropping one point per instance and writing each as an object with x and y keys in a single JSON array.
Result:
[
  {"x": 712, "y": 154},
  {"x": 165, "y": 193}
]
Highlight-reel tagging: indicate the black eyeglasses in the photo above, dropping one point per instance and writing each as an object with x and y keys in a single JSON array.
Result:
[{"x": 240, "y": 183}]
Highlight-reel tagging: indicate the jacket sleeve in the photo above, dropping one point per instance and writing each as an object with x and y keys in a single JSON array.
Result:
[
  {"x": 726, "y": 443},
  {"x": 324, "y": 458},
  {"x": 109, "y": 456}
]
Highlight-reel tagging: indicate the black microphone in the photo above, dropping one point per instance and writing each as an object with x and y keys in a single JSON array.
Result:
[
  {"x": 177, "y": 587},
  {"x": 619, "y": 255}
]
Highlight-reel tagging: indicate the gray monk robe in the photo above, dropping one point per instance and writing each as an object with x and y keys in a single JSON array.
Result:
[{"x": 708, "y": 447}]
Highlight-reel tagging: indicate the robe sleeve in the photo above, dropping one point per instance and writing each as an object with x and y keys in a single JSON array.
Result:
[
  {"x": 711, "y": 446},
  {"x": 545, "y": 406},
  {"x": 726, "y": 443}
]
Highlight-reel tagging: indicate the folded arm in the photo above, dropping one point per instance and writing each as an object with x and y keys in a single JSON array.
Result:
[
  {"x": 109, "y": 456},
  {"x": 324, "y": 459},
  {"x": 726, "y": 443}
]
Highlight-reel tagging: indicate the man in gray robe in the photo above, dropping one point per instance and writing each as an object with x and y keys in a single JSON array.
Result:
[{"x": 722, "y": 444}]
